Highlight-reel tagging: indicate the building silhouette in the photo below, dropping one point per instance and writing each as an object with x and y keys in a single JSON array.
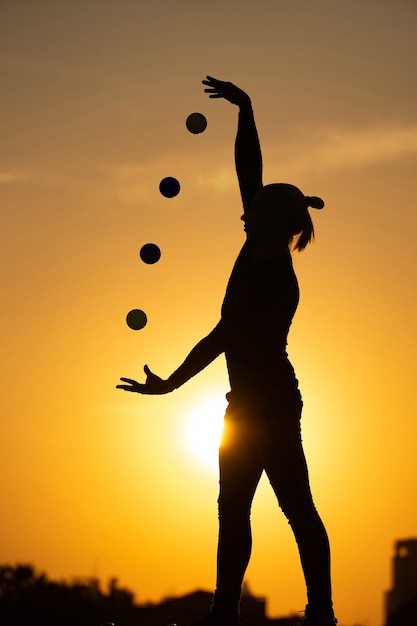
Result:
[
  {"x": 401, "y": 600},
  {"x": 188, "y": 608},
  {"x": 28, "y": 597}
]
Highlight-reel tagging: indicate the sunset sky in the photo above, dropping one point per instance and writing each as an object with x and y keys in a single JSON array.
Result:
[{"x": 95, "y": 94}]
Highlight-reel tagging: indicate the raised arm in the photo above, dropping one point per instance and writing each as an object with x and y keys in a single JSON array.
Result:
[
  {"x": 248, "y": 156},
  {"x": 200, "y": 356}
]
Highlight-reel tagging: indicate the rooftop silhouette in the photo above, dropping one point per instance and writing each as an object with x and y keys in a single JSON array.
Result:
[
  {"x": 401, "y": 600},
  {"x": 29, "y": 597}
]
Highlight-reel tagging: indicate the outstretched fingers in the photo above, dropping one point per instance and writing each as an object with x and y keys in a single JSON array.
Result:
[
  {"x": 214, "y": 87},
  {"x": 214, "y": 92},
  {"x": 131, "y": 381},
  {"x": 212, "y": 82},
  {"x": 132, "y": 385},
  {"x": 154, "y": 385},
  {"x": 223, "y": 89}
]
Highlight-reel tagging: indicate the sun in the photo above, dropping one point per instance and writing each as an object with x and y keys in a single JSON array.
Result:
[{"x": 202, "y": 430}]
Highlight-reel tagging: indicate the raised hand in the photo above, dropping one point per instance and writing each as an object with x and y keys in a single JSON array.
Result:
[
  {"x": 153, "y": 386},
  {"x": 228, "y": 91}
]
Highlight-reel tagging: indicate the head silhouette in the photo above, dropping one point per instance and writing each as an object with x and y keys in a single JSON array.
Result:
[{"x": 283, "y": 208}]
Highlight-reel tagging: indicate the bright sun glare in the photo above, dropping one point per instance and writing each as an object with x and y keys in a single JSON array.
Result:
[{"x": 202, "y": 430}]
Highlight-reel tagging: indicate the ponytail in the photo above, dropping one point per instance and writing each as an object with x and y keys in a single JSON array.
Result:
[{"x": 306, "y": 234}]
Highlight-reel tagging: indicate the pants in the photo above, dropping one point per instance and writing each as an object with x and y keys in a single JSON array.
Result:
[{"x": 266, "y": 436}]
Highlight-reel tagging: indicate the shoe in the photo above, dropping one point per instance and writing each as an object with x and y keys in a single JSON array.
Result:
[
  {"x": 318, "y": 621},
  {"x": 218, "y": 619}
]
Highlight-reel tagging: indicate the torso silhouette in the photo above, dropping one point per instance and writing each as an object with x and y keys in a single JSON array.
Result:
[{"x": 261, "y": 296}]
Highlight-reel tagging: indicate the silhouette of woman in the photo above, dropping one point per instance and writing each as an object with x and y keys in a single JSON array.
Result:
[{"x": 262, "y": 421}]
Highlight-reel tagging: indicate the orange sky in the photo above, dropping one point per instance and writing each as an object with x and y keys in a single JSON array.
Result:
[{"x": 94, "y": 100}]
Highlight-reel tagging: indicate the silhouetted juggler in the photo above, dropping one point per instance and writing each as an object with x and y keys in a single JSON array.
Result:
[{"x": 262, "y": 421}]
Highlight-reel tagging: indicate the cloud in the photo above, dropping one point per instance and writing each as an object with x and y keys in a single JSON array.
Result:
[
  {"x": 370, "y": 146},
  {"x": 221, "y": 179},
  {"x": 12, "y": 177},
  {"x": 40, "y": 177},
  {"x": 334, "y": 148},
  {"x": 25, "y": 63},
  {"x": 135, "y": 182}
]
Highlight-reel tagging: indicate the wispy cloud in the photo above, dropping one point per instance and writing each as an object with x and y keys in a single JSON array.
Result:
[
  {"x": 48, "y": 178},
  {"x": 24, "y": 63},
  {"x": 12, "y": 177},
  {"x": 221, "y": 178},
  {"x": 372, "y": 146},
  {"x": 340, "y": 148}
]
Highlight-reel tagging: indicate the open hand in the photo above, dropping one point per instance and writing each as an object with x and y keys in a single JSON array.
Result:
[
  {"x": 154, "y": 385},
  {"x": 228, "y": 91}
]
